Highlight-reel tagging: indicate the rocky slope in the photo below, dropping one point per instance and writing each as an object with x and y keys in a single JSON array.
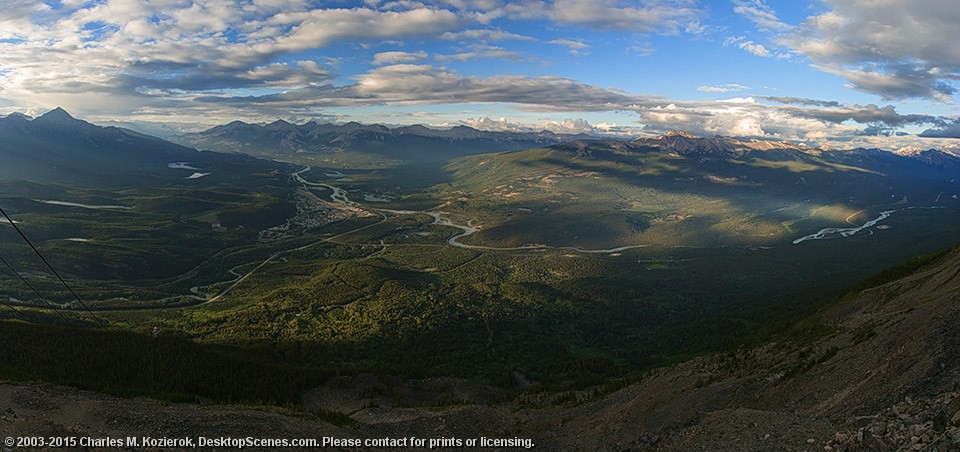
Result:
[
  {"x": 42, "y": 410},
  {"x": 861, "y": 356}
]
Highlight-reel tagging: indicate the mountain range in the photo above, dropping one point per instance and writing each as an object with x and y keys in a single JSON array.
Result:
[
  {"x": 354, "y": 143},
  {"x": 359, "y": 145},
  {"x": 57, "y": 138},
  {"x": 56, "y": 147},
  {"x": 683, "y": 144}
]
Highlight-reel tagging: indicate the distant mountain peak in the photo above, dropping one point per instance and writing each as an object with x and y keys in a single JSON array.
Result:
[
  {"x": 17, "y": 114},
  {"x": 57, "y": 145},
  {"x": 908, "y": 151},
  {"x": 415, "y": 128},
  {"x": 57, "y": 114},
  {"x": 684, "y": 143},
  {"x": 678, "y": 133},
  {"x": 463, "y": 127},
  {"x": 231, "y": 126},
  {"x": 280, "y": 125}
]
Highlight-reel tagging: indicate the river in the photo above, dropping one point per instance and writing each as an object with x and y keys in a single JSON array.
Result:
[
  {"x": 340, "y": 196},
  {"x": 85, "y": 206},
  {"x": 181, "y": 165},
  {"x": 844, "y": 232}
]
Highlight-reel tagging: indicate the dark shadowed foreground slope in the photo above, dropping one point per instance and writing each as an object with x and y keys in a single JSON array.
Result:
[
  {"x": 859, "y": 360},
  {"x": 876, "y": 370}
]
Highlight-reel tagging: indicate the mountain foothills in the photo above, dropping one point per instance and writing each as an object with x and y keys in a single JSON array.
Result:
[{"x": 511, "y": 281}]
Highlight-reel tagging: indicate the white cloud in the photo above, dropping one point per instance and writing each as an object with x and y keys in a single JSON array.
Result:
[
  {"x": 663, "y": 16},
  {"x": 801, "y": 101},
  {"x": 754, "y": 48},
  {"x": 480, "y": 51},
  {"x": 696, "y": 28},
  {"x": 565, "y": 126},
  {"x": 642, "y": 49},
  {"x": 497, "y": 125},
  {"x": 745, "y": 119},
  {"x": 410, "y": 84},
  {"x": 273, "y": 6},
  {"x": 568, "y": 125},
  {"x": 15, "y": 20},
  {"x": 407, "y": 83},
  {"x": 722, "y": 88},
  {"x": 396, "y": 57},
  {"x": 897, "y": 49},
  {"x": 284, "y": 75},
  {"x": 738, "y": 100},
  {"x": 733, "y": 40},
  {"x": 576, "y": 47},
  {"x": 760, "y": 14},
  {"x": 747, "y": 127},
  {"x": 483, "y": 35},
  {"x": 318, "y": 28},
  {"x": 840, "y": 126},
  {"x": 141, "y": 53}
]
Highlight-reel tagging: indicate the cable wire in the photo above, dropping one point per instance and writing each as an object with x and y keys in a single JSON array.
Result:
[
  {"x": 34, "y": 289},
  {"x": 15, "y": 311},
  {"x": 35, "y": 250}
]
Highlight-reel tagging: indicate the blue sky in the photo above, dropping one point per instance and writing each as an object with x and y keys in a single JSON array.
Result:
[{"x": 830, "y": 72}]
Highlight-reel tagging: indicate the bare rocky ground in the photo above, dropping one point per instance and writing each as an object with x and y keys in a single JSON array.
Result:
[
  {"x": 929, "y": 423},
  {"x": 881, "y": 373},
  {"x": 43, "y": 410}
]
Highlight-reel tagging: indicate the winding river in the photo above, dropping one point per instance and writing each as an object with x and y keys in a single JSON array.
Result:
[
  {"x": 340, "y": 196},
  {"x": 181, "y": 165},
  {"x": 827, "y": 233},
  {"x": 84, "y": 206}
]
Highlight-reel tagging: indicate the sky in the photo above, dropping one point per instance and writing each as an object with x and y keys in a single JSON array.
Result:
[{"x": 837, "y": 73}]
